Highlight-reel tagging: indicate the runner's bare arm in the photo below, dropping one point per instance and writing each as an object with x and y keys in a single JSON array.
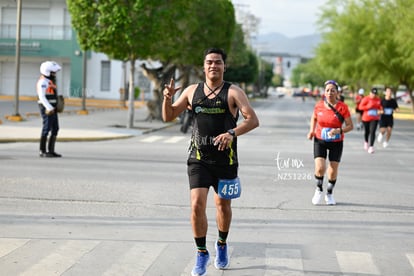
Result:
[
  {"x": 171, "y": 110},
  {"x": 311, "y": 133},
  {"x": 240, "y": 100}
]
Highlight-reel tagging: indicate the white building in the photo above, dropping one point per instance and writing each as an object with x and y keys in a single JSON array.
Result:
[{"x": 46, "y": 34}]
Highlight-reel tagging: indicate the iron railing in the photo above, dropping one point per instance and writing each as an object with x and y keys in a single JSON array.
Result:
[{"x": 8, "y": 31}]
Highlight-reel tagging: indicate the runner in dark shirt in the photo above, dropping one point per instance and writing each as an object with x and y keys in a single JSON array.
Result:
[
  {"x": 213, "y": 151},
  {"x": 386, "y": 123}
]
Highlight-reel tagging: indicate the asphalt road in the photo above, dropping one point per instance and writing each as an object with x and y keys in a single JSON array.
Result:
[{"x": 121, "y": 207}]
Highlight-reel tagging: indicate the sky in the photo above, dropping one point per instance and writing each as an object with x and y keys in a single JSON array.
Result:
[{"x": 289, "y": 17}]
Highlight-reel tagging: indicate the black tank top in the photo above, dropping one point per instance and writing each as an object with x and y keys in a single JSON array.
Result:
[{"x": 212, "y": 117}]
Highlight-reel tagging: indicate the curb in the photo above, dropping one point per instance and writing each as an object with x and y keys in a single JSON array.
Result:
[
  {"x": 89, "y": 102},
  {"x": 86, "y": 139},
  {"x": 91, "y": 105},
  {"x": 63, "y": 139},
  {"x": 404, "y": 116}
]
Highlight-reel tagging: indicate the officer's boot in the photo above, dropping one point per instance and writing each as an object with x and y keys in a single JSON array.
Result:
[
  {"x": 42, "y": 152},
  {"x": 51, "y": 147}
]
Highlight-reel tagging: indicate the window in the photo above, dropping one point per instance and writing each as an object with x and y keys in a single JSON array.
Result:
[{"x": 105, "y": 75}]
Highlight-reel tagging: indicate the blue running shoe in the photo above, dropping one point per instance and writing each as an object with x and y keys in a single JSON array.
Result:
[
  {"x": 200, "y": 268},
  {"x": 222, "y": 259}
]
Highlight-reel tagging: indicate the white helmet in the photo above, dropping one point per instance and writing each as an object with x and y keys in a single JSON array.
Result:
[
  {"x": 361, "y": 91},
  {"x": 49, "y": 66}
]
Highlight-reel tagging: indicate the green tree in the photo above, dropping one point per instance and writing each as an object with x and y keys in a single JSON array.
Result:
[
  {"x": 172, "y": 32},
  {"x": 308, "y": 73},
  {"x": 238, "y": 53},
  {"x": 201, "y": 24},
  {"x": 241, "y": 67},
  {"x": 277, "y": 80},
  {"x": 364, "y": 42},
  {"x": 120, "y": 29},
  {"x": 264, "y": 77},
  {"x": 267, "y": 78},
  {"x": 245, "y": 72}
]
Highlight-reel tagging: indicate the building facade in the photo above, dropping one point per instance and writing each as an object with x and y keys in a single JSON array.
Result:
[
  {"x": 283, "y": 64},
  {"x": 46, "y": 34}
]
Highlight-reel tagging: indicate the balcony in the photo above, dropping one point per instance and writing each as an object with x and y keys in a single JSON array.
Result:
[{"x": 36, "y": 32}]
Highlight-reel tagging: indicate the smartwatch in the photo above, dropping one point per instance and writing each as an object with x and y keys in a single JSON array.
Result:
[{"x": 232, "y": 132}]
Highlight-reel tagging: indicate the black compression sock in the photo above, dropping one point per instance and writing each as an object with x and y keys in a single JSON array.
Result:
[
  {"x": 201, "y": 244},
  {"x": 222, "y": 237},
  {"x": 331, "y": 185},
  {"x": 319, "y": 182}
]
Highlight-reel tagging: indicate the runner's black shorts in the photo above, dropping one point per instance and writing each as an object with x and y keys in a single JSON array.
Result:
[
  {"x": 386, "y": 121},
  {"x": 321, "y": 149},
  {"x": 203, "y": 175}
]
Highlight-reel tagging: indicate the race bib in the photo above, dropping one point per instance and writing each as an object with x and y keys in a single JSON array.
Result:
[
  {"x": 388, "y": 111},
  {"x": 373, "y": 112},
  {"x": 229, "y": 188},
  {"x": 325, "y": 134}
]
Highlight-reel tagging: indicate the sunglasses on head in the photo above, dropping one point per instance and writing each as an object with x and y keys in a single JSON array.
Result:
[{"x": 331, "y": 82}]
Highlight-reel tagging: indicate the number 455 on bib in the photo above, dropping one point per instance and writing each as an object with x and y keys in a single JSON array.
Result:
[{"x": 229, "y": 188}]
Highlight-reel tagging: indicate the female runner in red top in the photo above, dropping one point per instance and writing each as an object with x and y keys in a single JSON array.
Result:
[
  {"x": 327, "y": 132},
  {"x": 372, "y": 108}
]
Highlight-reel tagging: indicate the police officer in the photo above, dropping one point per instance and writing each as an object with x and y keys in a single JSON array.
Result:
[{"x": 47, "y": 94}]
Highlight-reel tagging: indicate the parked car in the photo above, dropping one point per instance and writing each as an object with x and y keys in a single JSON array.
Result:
[
  {"x": 403, "y": 96},
  {"x": 304, "y": 92}
]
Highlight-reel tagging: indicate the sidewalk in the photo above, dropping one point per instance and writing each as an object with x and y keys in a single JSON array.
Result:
[{"x": 106, "y": 119}]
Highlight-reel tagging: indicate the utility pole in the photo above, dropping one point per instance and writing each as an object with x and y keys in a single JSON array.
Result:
[
  {"x": 16, "y": 116},
  {"x": 84, "y": 111}
]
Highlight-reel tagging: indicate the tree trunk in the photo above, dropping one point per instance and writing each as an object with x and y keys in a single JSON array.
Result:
[
  {"x": 131, "y": 99},
  {"x": 185, "y": 73},
  {"x": 408, "y": 89},
  {"x": 410, "y": 93},
  {"x": 159, "y": 77}
]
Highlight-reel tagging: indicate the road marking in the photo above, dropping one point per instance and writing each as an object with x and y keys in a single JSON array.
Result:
[
  {"x": 62, "y": 259},
  {"x": 174, "y": 139},
  {"x": 8, "y": 245},
  {"x": 356, "y": 262},
  {"x": 151, "y": 139},
  {"x": 411, "y": 259},
  {"x": 140, "y": 257},
  {"x": 136, "y": 260},
  {"x": 283, "y": 262}
]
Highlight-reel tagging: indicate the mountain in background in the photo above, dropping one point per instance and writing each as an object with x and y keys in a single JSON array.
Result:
[{"x": 278, "y": 43}]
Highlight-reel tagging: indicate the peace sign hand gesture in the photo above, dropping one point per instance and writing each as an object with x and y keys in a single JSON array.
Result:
[{"x": 170, "y": 90}]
